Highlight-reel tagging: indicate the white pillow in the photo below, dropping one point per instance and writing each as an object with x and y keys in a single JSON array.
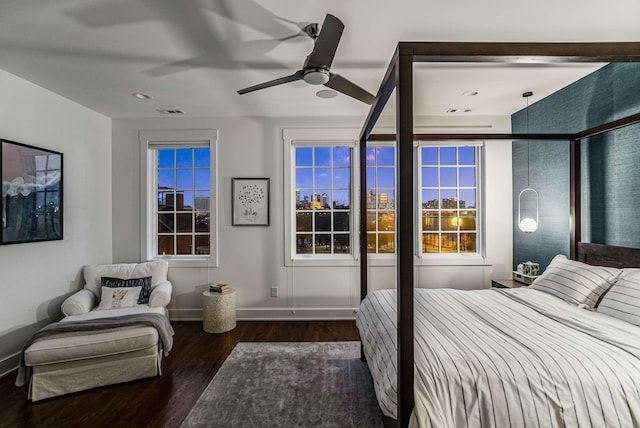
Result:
[
  {"x": 622, "y": 301},
  {"x": 115, "y": 298},
  {"x": 576, "y": 282}
]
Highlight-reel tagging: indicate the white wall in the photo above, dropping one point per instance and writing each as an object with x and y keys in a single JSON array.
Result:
[
  {"x": 36, "y": 277},
  {"x": 252, "y": 258}
]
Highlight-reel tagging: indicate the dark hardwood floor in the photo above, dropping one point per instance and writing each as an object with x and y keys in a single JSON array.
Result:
[{"x": 166, "y": 400}]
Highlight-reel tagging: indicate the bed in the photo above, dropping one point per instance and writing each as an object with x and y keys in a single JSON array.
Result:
[
  {"x": 506, "y": 358},
  {"x": 398, "y": 80}
]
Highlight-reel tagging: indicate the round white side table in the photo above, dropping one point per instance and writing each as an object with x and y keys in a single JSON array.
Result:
[{"x": 219, "y": 311}]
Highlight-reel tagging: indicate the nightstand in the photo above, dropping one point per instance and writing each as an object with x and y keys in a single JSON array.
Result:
[{"x": 506, "y": 283}]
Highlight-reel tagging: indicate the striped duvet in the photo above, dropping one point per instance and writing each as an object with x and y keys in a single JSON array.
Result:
[{"x": 506, "y": 358}]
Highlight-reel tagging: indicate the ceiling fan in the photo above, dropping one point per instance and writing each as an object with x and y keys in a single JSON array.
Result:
[{"x": 315, "y": 70}]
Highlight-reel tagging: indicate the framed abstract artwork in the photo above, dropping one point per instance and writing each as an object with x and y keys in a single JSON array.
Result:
[
  {"x": 250, "y": 204},
  {"x": 31, "y": 202}
]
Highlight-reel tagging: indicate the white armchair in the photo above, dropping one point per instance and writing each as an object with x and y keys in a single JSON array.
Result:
[{"x": 80, "y": 361}]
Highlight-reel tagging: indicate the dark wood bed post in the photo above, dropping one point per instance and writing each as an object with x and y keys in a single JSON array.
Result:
[
  {"x": 575, "y": 217},
  {"x": 363, "y": 225},
  {"x": 404, "y": 230}
]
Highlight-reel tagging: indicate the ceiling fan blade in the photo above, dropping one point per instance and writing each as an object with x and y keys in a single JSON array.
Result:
[
  {"x": 349, "y": 88},
  {"x": 296, "y": 76},
  {"x": 326, "y": 44}
]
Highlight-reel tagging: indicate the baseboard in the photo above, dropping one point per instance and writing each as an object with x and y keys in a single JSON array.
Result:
[
  {"x": 272, "y": 314},
  {"x": 9, "y": 364}
]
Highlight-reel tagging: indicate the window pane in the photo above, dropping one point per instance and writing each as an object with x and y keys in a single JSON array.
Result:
[
  {"x": 448, "y": 177},
  {"x": 467, "y": 177},
  {"x": 323, "y": 244},
  {"x": 371, "y": 221},
  {"x": 322, "y": 177},
  {"x": 467, "y": 155},
  {"x": 341, "y": 243},
  {"x": 430, "y": 199},
  {"x": 371, "y": 177},
  {"x": 386, "y": 177},
  {"x": 184, "y": 179},
  {"x": 449, "y": 200},
  {"x": 186, "y": 201},
  {"x": 386, "y": 243},
  {"x": 165, "y": 223},
  {"x": 166, "y": 201},
  {"x": 468, "y": 243},
  {"x": 166, "y": 179},
  {"x": 385, "y": 199},
  {"x": 447, "y": 155},
  {"x": 467, "y": 198},
  {"x": 165, "y": 158},
  {"x": 341, "y": 222},
  {"x": 322, "y": 156},
  {"x": 203, "y": 245},
  {"x": 371, "y": 156},
  {"x": 176, "y": 200},
  {"x": 184, "y": 223},
  {"x": 429, "y": 177},
  {"x": 304, "y": 244},
  {"x": 202, "y": 179},
  {"x": 201, "y": 201},
  {"x": 323, "y": 199},
  {"x": 323, "y": 221},
  {"x": 304, "y": 156},
  {"x": 385, "y": 155},
  {"x": 429, "y": 156},
  {"x": 202, "y": 157},
  {"x": 184, "y": 244},
  {"x": 341, "y": 200},
  {"x": 165, "y": 245},
  {"x": 341, "y": 156},
  {"x": 387, "y": 221},
  {"x": 184, "y": 158},
  {"x": 202, "y": 223},
  {"x": 431, "y": 220},
  {"x": 341, "y": 178},
  {"x": 449, "y": 220},
  {"x": 467, "y": 220},
  {"x": 430, "y": 243},
  {"x": 303, "y": 199},
  {"x": 449, "y": 242},
  {"x": 304, "y": 178},
  {"x": 371, "y": 243},
  {"x": 303, "y": 222}
]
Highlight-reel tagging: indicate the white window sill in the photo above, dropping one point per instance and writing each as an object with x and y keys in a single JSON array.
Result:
[
  {"x": 188, "y": 262},
  {"x": 322, "y": 260}
]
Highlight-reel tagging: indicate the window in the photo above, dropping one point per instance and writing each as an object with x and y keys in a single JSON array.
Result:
[
  {"x": 179, "y": 218},
  {"x": 381, "y": 218},
  {"x": 183, "y": 209},
  {"x": 323, "y": 199},
  {"x": 449, "y": 199}
]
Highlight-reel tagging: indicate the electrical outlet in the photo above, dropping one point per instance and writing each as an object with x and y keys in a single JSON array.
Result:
[{"x": 274, "y": 291}]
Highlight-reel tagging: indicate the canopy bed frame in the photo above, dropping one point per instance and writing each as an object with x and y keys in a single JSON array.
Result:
[{"x": 399, "y": 76}]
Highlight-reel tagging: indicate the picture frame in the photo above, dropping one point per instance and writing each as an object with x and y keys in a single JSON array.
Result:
[
  {"x": 250, "y": 201},
  {"x": 31, "y": 202}
]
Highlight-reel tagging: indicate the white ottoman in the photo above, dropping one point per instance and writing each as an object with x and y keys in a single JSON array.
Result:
[{"x": 219, "y": 311}]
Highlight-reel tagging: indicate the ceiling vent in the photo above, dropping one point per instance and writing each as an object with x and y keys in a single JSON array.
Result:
[{"x": 171, "y": 111}]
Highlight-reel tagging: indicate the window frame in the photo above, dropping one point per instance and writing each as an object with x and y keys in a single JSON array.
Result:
[
  {"x": 475, "y": 258},
  {"x": 307, "y": 137},
  {"x": 149, "y": 140}
]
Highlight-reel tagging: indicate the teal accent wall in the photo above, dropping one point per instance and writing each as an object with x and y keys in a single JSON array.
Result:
[{"x": 610, "y": 165}]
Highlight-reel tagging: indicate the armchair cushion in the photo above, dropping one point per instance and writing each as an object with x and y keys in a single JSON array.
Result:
[
  {"x": 79, "y": 303},
  {"x": 93, "y": 274},
  {"x": 161, "y": 295}
]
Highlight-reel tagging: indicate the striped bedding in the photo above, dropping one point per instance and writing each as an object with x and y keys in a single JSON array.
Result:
[{"x": 506, "y": 358}]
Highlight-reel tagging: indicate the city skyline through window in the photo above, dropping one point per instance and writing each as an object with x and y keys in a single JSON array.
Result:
[{"x": 381, "y": 201}]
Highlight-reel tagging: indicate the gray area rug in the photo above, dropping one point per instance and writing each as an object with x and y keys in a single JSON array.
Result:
[{"x": 312, "y": 384}]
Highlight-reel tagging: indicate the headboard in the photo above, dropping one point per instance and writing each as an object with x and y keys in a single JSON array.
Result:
[{"x": 608, "y": 255}]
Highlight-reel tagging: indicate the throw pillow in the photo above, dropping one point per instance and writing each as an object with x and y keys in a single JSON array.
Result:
[
  {"x": 145, "y": 283},
  {"x": 115, "y": 298}
]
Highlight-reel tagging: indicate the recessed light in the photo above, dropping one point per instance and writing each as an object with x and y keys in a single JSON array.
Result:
[
  {"x": 141, "y": 96},
  {"x": 452, "y": 110},
  {"x": 171, "y": 111},
  {"x": 467, "y": 110},
  {"x": 470, "y": 93},
  {"x": 326, "y": 93}
]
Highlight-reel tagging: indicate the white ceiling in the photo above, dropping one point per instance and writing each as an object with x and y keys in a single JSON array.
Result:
[{"x": 194, "y": 54}]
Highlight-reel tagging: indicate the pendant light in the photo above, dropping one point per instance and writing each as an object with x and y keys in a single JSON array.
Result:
[{"x": 528, "y": 197}]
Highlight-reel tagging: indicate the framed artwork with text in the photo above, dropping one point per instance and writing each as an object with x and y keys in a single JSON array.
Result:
[{"x": 250, "y": 204}]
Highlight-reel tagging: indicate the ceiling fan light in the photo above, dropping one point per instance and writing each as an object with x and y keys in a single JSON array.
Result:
[{"x": 316, "y": 77}]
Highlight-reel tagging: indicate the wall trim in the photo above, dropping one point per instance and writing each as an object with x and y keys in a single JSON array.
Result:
[
  {"x": 9, "y": 364},
  {"x": 272, "y": 314}
]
